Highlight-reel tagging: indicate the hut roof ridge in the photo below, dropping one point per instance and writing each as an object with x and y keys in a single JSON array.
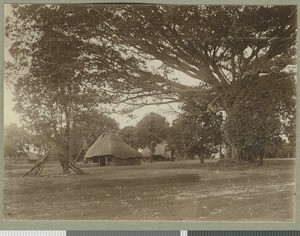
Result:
[{"x": 111, "y": 145}]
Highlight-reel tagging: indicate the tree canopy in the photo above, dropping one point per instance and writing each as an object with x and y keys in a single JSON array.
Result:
[
  {"x": 195, "y": 131},
  {"x": 129, "y": 135},
  {"x": 130, "y": 54},
  {"x": 51, "y": 87},
  {"x": 215, "y": 45},
  {"x": 151, "y": 130},
  {"x": 263, "y": 112}
]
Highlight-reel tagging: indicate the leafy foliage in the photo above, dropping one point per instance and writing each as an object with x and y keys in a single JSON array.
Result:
[
  {"x": 129, "y": 135},
  {"x": 151, "y": 130},
  {"x": 196, "y": 131},
  {"x": 54, "y": 88},
  {"x": 191, "y": 39},
  {"x": 263, "y": 111},
  {"x": 91, "y": 52},
  {"x": 16, "y": 141}
]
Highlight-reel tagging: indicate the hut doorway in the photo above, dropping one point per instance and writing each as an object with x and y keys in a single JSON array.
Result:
[{"x": 101, "y": 161}]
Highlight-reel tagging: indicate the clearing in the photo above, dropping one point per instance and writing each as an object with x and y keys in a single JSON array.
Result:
[{"x": 182, "y": 190}]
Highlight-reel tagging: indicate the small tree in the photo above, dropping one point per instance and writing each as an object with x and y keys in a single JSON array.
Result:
[
  {"x": 16, "y": 141},
  {"x": 197, "y": 130},
  {"x": 180, "y": 137},
  {"x": 151, "y": 130}
]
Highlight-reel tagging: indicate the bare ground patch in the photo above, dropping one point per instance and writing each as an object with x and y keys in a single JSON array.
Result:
[{"x": 158, "y": 191}]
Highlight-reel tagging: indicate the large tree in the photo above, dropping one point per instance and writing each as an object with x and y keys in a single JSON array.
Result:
[
  {"x": 219, "y": 46},
  {"x": 263, "y": 112},
  {"x": 214, "y": 45},
  {"x": 50, "y": 86}
]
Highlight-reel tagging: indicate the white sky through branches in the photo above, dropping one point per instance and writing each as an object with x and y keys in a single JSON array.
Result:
[{"x": 12, "y": 117}]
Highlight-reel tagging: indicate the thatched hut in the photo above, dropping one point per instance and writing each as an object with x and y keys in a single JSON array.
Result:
[
  {"x": 161, "y": 152},
  {"x": 22, "y": 158},
  {"x": 31, "y": 157},
  {"x": 109, "y": 148}
]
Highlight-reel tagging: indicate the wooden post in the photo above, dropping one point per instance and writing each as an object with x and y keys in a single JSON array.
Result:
[{"x": 78, "y": 155}]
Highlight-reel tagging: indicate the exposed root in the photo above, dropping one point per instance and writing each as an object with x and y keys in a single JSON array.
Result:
[
  {"x": 72, "y": 166},
  {"x": 39, "y": 166}
]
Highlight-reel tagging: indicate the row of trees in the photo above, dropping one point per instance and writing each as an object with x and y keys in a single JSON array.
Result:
[
  {"x": 71, "y": 58},
  {"x": 188, "y": 134},
  {"x": 85, "y": 129}
]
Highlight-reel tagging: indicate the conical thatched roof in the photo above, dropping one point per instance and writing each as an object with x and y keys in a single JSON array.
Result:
[
  {"x": 111, "y": 145},
  {"x": 160, "y": 150}
]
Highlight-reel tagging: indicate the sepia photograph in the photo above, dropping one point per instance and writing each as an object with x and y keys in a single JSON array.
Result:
[{"x": 150, "y": 112}]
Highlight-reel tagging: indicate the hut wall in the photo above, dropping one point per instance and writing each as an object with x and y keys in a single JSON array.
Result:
[
  {"x": 111, "y": 160},
  {"x": 32, "y": 161},
  {"x": 126, "y": 162},
  {"x": 159, "y": 158}
]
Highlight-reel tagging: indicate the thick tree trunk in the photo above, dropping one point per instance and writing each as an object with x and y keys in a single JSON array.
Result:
[
  {"x": 66, "y": 168},
  {"x": 248, "y": 153},
  {"x": 152, "y": 151},
  {"x": 221, "y": 153},
  {"x": 238, "y": 154},
  {"x": 172, "y": 154},
  {"x": 202, "y": 157},
  {"x": 261, "y": 154},
  {"x": 234, "y": 152}
]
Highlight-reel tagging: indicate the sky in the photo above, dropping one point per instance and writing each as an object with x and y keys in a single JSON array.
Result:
[
  {"x": 9, "y": 115},
  {"x": 12, "y": 117}
]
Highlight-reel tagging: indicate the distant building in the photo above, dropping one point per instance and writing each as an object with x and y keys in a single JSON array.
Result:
[
  {"x": 161, "y": 152},
  {"x": 27, "y": 158}
]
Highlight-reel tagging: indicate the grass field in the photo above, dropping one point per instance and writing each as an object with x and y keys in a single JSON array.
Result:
[{"x": 182, "y": 190}]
